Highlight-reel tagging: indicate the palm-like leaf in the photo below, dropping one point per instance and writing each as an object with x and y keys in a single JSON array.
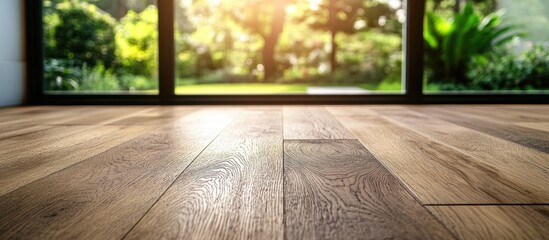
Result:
[{"x": 453, "y": 42}]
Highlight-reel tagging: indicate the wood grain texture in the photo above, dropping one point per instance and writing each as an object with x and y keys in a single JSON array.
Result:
[
  {"x": 104, "y": 196},
  {"x": 232, "y": 191},
  {"x": 540, "y": 126},
  {"x": 109, "y": 172},
  {"x": 22, "y": 166},
  {"x": 43, "y": 138},
  {"x": 99, "y": 115},
  {"x": 335, "y": 189},
  {"x": 155, "y": 116},
  {"x": 435, "y": 173},
  {"x": 516, "y": 166},
  {"x": 358, "y": 110},
  {"x": 495, "y": 222},
  {"x": 503, "y": 114},
  {"x": 312, "y": 123},
  {"x": 538, "y": 140}
]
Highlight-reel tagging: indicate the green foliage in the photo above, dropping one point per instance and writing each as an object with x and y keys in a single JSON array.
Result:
[
  {"x": 97, "y": 79},
  {"x": 137, "y": 42},
  {"x": 137, "y": 83},
  {"x": 85, "y": 78},
  {"x": 504, "y": 69},
  {"x": 79, "y": 33},
  {"x": 451, "y": 43}
]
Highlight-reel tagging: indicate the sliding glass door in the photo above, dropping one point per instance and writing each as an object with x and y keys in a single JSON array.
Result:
[
  {"x": 287, "y": 51},
  {"x": 289, "y": 47}
]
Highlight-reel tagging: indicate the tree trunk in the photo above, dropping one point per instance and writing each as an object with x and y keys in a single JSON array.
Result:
[
  {"x": 457, "y": 6},
  {"x": 269, "y": 63},
  {"x": 333, "y": 53},
  {"x": 332, "y": 9},
  {"x": 121, "y": 10},
  {"x": 271, "y": 39}
]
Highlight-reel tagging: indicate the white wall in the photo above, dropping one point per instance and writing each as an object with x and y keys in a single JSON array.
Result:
[{"x": 12, "y": 55}]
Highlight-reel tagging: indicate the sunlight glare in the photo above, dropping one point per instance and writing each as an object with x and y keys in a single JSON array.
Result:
[
  {"x": 214, "y": 3},
  {"x": 314, "y": 4},
  {"x": 291, "y": 9}
]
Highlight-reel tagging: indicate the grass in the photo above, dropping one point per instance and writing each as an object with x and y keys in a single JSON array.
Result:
[
  {"x": 270, "y": 88},
  {"x": 241, "y": 88}
]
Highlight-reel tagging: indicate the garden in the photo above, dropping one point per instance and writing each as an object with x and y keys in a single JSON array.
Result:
[{"x": 266, "y": 47}]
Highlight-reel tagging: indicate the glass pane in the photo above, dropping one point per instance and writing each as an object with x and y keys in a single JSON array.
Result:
[
  {"x": 289, "y": 47},
  {"x": 100, "y": 46},
  {"x": 487, "y": 46}
]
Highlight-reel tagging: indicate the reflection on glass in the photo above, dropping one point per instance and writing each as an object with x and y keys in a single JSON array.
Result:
[
  {"x": 499, "y": 46},
  {"x": 100, "y": 46},
  {"x": 289, "y": 47}
]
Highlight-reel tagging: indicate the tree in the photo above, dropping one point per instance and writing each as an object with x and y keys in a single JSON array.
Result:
[
  {"x": 346, "y": 16},
  {"x": 119, "y": 8},
  {"x": 79, "y": 33},
  {"x": 137, "y": 42},
  {"x": 265, "y": 18}
]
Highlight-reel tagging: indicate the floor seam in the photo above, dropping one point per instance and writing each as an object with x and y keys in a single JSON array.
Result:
[
  {"x": 483, "y": 204},
  {"x": 180, "y": 174}
]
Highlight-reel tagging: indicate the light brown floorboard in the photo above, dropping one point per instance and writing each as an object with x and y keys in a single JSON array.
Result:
[
  {"x": 104, "y": 196},
  {"x": 525, "y": 136},
  {"x": 22, "y": 167},
  {"x": 335, "y": 189},
  {"x": 312, "y": 123},
  {"x": 522, "y": 168},
  {"x": 435, "y": 173},
  {"x": 232, "y": 191},
  {"x": 495, "y": 222}
]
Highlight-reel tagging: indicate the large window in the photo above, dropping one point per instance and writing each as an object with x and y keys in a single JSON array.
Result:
[
  {"x": 287, "y": 51},
  {"x": 487, "y": 46},
  {"x": 100, "y": 46}
]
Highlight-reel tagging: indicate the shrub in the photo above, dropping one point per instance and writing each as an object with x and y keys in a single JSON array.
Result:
[
  {"x": 98, "y": 79},
  {"x": 505, "y": 69},
  {"x": 62, "y": 77}
]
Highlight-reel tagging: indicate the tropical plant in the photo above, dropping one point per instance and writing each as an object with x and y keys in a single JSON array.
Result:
[{"x": 451, "y": 43}]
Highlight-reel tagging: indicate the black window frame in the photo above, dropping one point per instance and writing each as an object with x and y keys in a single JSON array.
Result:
[{"x": 413, "y": 50}]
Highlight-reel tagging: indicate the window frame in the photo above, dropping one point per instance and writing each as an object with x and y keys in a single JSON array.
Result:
[{"x": 412, "y": 73}]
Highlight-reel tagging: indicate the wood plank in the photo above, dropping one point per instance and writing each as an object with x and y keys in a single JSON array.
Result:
[
  {"x": 43, "y": 138},
  {"x": 46, "y": 115},
  {"x": 540, "y": 126},
  {"x": 538, "y": 140},
  {"x": 358, "y": 110},
  {"x": 99, "y": 115},
  {"x": 435, "y": 173},
  {"x": 23, "y": 130},
  {"x": 104, "y": 196},
  {"x": 155, "y": 116},
  {"x": 233, "y": 190},
  {"x": 336, "y": 189},
  {"x": 495, "y": 222},
  {"x": 312, "y": 123},
  {"x": 505, "y": 114},
  {"x": 19, "y": 168},
  {"x": 517, "y": 166}
]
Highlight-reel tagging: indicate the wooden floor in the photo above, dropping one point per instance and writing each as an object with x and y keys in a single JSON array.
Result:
[{"x": 275, "y": 172}]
